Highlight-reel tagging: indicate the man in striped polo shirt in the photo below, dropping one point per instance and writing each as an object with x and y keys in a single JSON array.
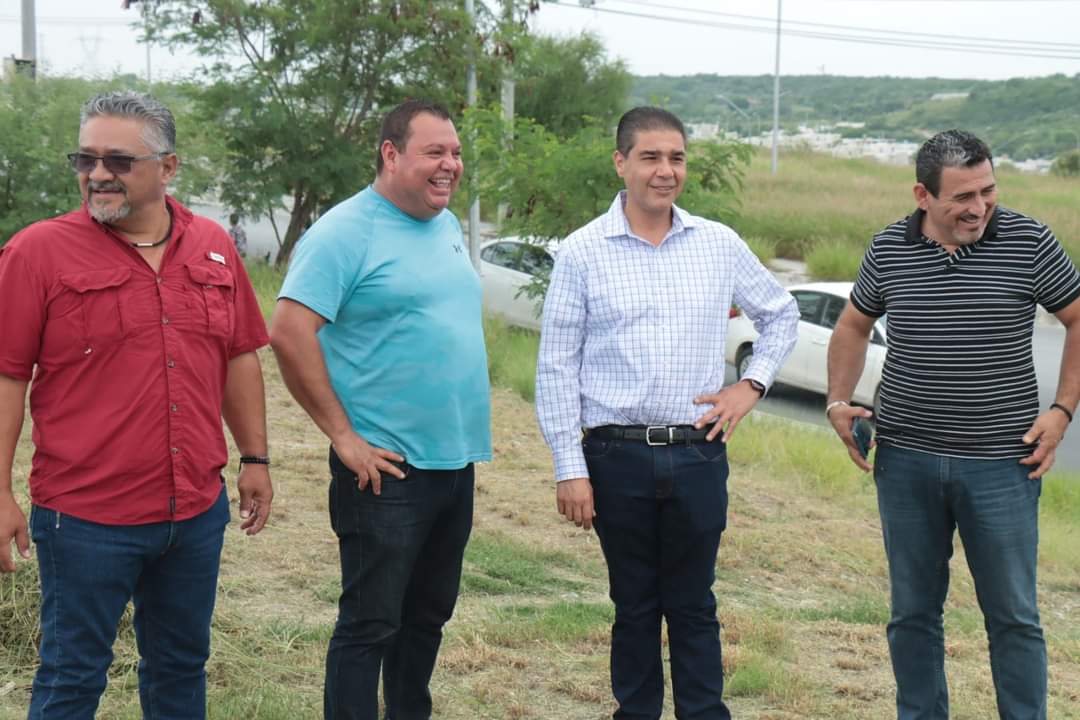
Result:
[{"x": 962, "y": 443}]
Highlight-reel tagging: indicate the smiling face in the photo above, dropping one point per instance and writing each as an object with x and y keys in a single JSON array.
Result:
[
  {"x": 112, "y": 198},
  {"x": 654, "y": 171},
  {"x": 963, "y": 207},
  {"x": 421, "y": 177}
]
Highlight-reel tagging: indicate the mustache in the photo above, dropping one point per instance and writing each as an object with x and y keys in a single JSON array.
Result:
[{"x": 110, "y": 186}]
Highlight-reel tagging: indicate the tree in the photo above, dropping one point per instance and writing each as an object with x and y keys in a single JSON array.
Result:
[
  {"x": 39, "y": 125},
  {"x": 1067, "y": 164},
  {"x": 563, "y": 83},
  {"x": 296, "y": 88}
]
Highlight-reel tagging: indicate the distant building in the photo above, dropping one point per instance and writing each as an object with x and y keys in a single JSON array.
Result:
[
  {"x": 950, "y": 96},
  {"x": 702, "y": 131}
]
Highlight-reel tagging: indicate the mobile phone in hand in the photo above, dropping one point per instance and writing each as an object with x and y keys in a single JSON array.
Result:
[{"x": 863, "y": 432}]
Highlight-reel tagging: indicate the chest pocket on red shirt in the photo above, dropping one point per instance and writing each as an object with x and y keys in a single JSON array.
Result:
[
  {"x": 214, "y": 295},
  {"x": 88, "y": 315}
]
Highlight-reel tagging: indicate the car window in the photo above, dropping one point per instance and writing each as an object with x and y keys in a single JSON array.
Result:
[
  {"x": 501, "y": 254},
  {"x": 809, "y": 305},
  {"x": 533, "y": 259},
  {"x": 833, "y": 307}
]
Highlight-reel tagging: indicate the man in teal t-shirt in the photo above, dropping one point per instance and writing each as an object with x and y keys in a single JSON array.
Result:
[{"x": 379, "y": 337}]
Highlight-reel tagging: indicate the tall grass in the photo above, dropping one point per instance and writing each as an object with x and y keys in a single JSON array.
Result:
[
  {"x": 816, "y": 198},
  {"x": 512, "y": 357}
]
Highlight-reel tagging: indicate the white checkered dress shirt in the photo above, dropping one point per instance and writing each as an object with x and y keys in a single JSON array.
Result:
[{"x": 632, "y": 332}]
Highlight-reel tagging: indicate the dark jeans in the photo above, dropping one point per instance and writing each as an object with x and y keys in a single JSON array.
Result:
[
  {"x": 923, "y": 498},
  {"x": 659, "y": 515},
  {"x": 401, "y": 555},
  {"x": 89, "y": 572}
]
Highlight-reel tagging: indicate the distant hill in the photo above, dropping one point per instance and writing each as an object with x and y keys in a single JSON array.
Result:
[{"x": 1023, "y": 118}]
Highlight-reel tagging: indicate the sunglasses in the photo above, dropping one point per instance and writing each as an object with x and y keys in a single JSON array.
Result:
[{"x": 116, "y": 164}]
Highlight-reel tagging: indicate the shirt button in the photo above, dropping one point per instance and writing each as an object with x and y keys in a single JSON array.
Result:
[
  {"x": 171, "y": 363},
  {"x": 173, "y": 407},
  {"x": 174, "y": 451},
  {"x": 159, "y": 280},
  {"x": 164, "y": 320}
]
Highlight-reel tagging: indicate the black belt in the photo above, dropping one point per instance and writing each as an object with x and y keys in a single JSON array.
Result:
[{"x": 650, "y": 434}]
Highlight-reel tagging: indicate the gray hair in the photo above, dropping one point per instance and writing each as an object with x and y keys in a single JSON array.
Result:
[
  {"x": 952, "y": 148},
  {"x": 159, "y": 126}
]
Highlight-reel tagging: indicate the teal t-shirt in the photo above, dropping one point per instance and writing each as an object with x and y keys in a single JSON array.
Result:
[{"x": 404, "y": 341}]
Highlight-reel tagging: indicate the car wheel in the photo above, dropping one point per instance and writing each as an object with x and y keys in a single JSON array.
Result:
[{"x": 742, "y": 360}]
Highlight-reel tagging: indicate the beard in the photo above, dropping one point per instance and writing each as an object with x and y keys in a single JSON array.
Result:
[{"x": 106, "y": 214}]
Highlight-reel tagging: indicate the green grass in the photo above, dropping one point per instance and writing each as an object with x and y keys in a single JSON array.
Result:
[
  {"x": 512, "y": 357},
  {"x": 870, "y": 609},
  {"x": 763, "y": 247},
  {"x": 559, "y": 622},
  {"x": 496, "y": 564},
  {"x": 834, "y": 260},
  {"x": 817, "y": 199}
]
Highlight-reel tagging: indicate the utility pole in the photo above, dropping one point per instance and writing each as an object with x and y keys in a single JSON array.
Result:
[
  {"x": 508, "y": 85},
  {"x": 776, "y": 94},
  {"x": 470, "y": 97},
  {"x": 29, "y": 38}
]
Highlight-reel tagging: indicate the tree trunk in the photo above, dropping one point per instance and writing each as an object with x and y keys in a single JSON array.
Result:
[{"x": 303, "y": 203}]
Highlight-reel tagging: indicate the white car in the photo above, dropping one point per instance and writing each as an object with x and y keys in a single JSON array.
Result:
[
  {"x": 506, "y": 265},
  {"x": 820, "y": 305}
]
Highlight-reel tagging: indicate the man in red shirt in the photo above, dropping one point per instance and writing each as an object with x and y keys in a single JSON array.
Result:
[{"x": 138, "y": 326}]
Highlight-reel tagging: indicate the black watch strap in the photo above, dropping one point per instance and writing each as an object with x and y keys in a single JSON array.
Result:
[
  {"x": 756, "y": 385},
  {"x": 253, "y": 460}
]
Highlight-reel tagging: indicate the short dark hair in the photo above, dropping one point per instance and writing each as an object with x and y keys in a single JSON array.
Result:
[
  {"x": 952, "y": 148},
  {"x": 642, "y": 118},
  {"x": 395, "y": 125},
  {"x": 234, "y": 219}
]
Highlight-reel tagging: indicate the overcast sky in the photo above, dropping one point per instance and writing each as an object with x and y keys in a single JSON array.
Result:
[{"x": 727, "y": 37}]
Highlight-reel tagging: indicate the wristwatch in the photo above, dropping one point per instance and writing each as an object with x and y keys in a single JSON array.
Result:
[{"x": 756, "y": 385}]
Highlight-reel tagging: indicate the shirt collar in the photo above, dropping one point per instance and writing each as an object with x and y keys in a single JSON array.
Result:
[
  {"x": 615, "y": 223},
  {"x": 913, "y": 232}
]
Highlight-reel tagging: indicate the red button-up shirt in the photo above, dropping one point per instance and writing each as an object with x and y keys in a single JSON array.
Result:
[{"x": 130, "y": 364}]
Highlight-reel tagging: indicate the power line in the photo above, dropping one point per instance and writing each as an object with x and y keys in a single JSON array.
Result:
[
  {"x": 1025, "y": 44},
  {"x": 840, "y": 37}
]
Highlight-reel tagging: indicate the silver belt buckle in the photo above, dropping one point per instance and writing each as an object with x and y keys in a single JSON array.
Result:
[{"x": 668, "y": 441}]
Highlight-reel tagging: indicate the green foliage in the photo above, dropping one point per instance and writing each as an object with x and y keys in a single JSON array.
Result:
[
  {"x": 297, "y": 88},
  {"x": 1067, "y": 164},
  {"x": 511, "y": 357},
  {"x": 39, "y": 125},
  {"x": 834, "y": 260},
  {"x": 563, "y": 82},
  {"x": 1022, "y": 117}
]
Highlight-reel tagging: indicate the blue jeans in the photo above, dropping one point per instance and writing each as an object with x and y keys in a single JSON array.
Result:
[
  {"x": 922, "y": 499},
  {"x": 401, "y": 555},
  {"x": 659, "y": 515},
  {"x": 89, "y": 572}
]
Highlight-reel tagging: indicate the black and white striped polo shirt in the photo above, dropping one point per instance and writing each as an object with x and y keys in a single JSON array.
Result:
[{"x": 959, "y": 378}]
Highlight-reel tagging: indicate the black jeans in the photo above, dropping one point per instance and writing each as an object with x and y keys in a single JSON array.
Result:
[
  {"x": 401, "y": 555},
  {"x": 659, "y": 515}
]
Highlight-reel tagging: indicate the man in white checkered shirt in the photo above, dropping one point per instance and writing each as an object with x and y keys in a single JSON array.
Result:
[{"x": 632, "y": 352}]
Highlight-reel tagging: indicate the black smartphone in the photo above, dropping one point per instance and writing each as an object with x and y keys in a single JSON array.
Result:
[{"x": 864, "y": 433}]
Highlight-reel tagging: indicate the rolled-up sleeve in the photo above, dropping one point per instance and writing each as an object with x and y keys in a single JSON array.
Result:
[
  {"x": 773, "y": 311},
  {"x": 558, "y": 366}
]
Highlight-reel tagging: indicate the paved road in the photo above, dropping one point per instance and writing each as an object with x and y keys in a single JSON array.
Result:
[{"x": 1048, "y": 343}]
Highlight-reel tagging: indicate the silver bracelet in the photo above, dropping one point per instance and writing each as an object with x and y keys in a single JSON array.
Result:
[{"x": 834, "y": 403}]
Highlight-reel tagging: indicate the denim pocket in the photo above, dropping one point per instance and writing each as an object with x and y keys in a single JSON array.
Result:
[
  {"x": 710, "y": 451},
  {"x": 594, "y": 447},
  {"x": 344, "y": 519}
]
